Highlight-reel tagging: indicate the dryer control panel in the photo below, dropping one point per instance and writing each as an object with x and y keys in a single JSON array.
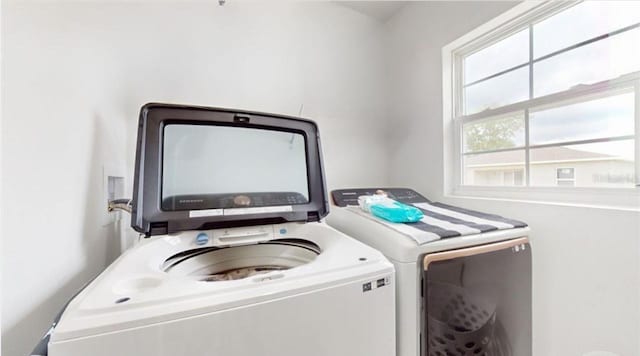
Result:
[{"x": 346, "y": 197}]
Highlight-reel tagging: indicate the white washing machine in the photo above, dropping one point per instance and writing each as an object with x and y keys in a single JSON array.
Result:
[
  {"x": 463, "y": 277},
  {"x": 234, "y": 258}
]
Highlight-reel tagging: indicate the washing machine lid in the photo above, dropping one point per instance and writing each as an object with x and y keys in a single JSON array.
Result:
[{"x": 205, "y": 168}]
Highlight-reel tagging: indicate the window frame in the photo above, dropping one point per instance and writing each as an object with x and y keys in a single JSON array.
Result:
[{"x": 517, "y": 18}]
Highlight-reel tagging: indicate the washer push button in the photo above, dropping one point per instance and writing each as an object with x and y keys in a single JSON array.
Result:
[{"x": 202, "y": 238}]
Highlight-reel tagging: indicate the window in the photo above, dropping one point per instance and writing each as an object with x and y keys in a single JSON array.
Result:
[
  {"x": 566, "y": 176},
  {"x": 545, "y": 91}
]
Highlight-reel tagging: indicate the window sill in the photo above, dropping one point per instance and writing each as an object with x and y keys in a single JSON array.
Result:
[{"x": 621, "y": 199}]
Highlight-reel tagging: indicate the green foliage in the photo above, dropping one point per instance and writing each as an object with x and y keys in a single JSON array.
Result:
[{"x": 493, "y": 134}]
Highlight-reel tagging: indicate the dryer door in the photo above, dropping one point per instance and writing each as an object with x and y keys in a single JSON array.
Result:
[{"x": 477, "y": 301}]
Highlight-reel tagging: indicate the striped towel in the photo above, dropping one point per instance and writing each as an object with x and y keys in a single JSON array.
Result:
[{"x": 442, "y": 221}]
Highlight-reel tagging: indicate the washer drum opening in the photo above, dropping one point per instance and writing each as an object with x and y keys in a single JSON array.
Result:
[{"x": 213, "y": 264}]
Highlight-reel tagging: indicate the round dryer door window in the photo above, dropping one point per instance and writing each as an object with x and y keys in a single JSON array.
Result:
[{"x": 215, "y": 264}]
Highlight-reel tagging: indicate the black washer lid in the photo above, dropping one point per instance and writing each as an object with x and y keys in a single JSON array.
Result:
[{"x": 202, "y": 168}]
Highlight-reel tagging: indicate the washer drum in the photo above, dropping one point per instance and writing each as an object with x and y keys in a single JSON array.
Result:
[
  {"x": 213, "y": 264},
  {"x": 458, "y": 323}
]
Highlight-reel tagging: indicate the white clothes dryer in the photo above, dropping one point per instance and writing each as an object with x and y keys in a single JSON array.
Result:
[
  {"x": 234, "y": 259},
  {"x": 463, "y": 276}
]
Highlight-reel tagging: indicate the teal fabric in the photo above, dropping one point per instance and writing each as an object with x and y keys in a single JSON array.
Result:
[{"x": 396, "y": 212}]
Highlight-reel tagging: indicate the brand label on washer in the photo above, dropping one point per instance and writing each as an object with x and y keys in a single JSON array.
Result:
[
  {"x": 261, "y": 210},
  {"x": 206, "y": 212}
]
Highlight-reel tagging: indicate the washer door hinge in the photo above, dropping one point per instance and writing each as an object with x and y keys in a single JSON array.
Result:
[
  {"x": 313, "y": 216},
  {"x": 158, "y": 228}
]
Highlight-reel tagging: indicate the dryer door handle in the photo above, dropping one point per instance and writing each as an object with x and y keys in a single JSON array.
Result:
[{"x": 470, "y": 251}]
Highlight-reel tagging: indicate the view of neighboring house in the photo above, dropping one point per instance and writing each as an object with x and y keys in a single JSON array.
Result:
[{"x": 553, "y": 166}]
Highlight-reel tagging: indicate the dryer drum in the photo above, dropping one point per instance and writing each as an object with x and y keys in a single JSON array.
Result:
[
  {"x": 459, "y": 323},
  {"x": 212, "y": 264}
]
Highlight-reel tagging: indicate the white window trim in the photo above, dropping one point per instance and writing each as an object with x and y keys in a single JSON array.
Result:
[{"x": 502, "y": 26}]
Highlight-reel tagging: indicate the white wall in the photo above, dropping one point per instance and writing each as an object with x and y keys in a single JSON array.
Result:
[
  {"x": 586, "y": 260},
  {"x": 75, "y": 75}
]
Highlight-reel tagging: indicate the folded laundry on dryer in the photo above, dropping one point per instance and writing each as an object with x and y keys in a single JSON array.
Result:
[{"x": 441, "y": 220}]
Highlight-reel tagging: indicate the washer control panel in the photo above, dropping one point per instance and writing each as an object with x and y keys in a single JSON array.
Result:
[{"x": 234, "y": 200}]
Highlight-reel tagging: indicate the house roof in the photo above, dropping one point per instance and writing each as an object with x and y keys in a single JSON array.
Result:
[{"x": 549, "y": 154}]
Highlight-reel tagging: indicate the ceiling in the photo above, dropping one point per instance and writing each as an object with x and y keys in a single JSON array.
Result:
[{"x": 381, "y": 10}]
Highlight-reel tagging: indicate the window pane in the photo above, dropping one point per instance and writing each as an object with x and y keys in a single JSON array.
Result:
[
  {"x": 195, "y": 175},
  {"x": 598, "y": 61},
  {"x": 565, "y": 173},
  {"x": 599, "y": 118},
  {"x": 581, "y": 22},
  {"x": 607, "y": 164},
  {"x": 506, "y": 89},
  {"x": 498, "y": 168},
  {"x": 502, "y": 55},
  {"x": 494, "y": 134}
]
